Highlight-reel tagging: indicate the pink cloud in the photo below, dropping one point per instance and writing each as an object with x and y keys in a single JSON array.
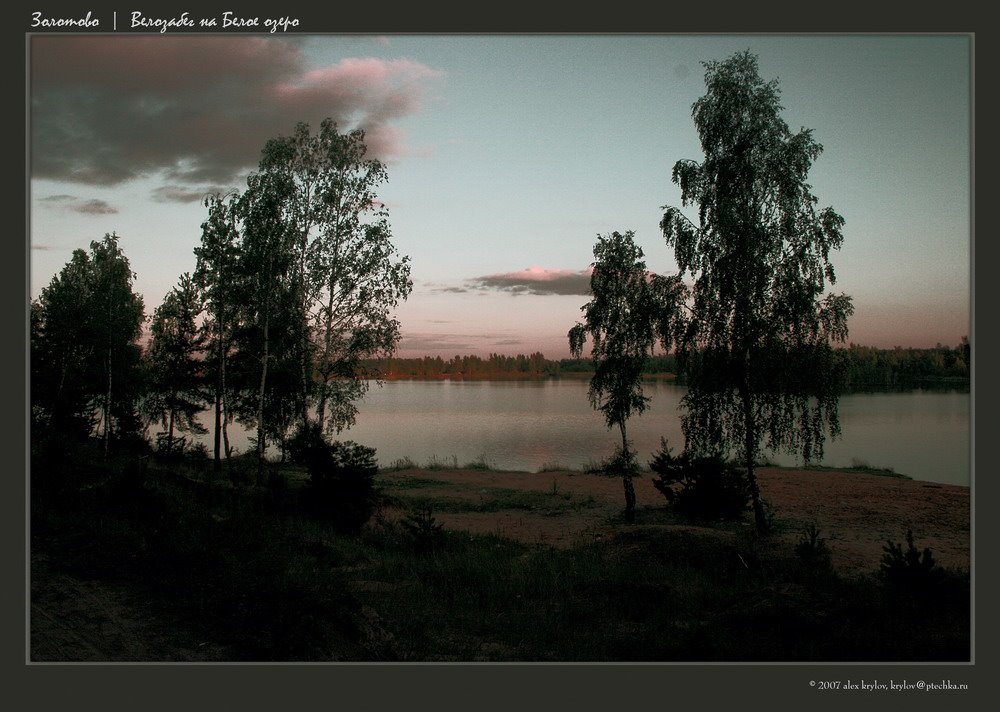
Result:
[{"x": 539, "y": 281}]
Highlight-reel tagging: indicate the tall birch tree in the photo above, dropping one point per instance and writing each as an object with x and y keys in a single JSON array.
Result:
[{"x": 756, "y": 346}]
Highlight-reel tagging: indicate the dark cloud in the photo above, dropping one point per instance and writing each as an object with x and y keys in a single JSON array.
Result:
[
  {"x": 106, "y": 109},
  {"x": 538, "y": 281},
  {"x": 182, "y": 194},
  {"x": 79, "y": 205},
  {"x": 94, "y": 207}
]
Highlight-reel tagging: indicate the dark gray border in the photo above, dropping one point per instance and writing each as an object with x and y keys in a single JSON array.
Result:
[{"x": 485, "y": 687}]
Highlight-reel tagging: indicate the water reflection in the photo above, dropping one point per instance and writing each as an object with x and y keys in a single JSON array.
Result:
[{"x": 528, "y": 425}]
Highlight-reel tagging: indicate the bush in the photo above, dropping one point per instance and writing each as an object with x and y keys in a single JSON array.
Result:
[
  {"x": 167, "y": 449},
  {"x": 619, "y": 464},
  {"x": 341, "y": 478},
  {"x": 812, "y": 549},
  {"x": 912, "y": 569},
  {"x": 705, "y": 487},
  {"x": 425, "y": 532}
]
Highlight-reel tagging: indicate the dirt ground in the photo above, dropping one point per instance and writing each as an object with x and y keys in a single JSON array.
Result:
[
  {"x": 856, "y": 513},
  {"x": 82, "y": 619}
]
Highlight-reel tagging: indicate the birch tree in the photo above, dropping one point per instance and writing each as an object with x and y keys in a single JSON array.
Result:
[
  {"x": 623, "y": 320},
  {"x": 756, "y": 345}
]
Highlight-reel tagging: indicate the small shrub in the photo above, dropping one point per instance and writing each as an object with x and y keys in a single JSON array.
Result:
[
  {"x": 306, "y": 442},
  {"x": 403, "y": 463},
  {"x": 704, "y": 487},
  {"x": 198, "y": 451},
  {"x": 910, "y": 569},
  {"x": 424, "y": 531},
  {"x": 865, "y": 466},
  {"x": 481, "y": 463},
  {"x": 622, "y": 462},
  {"x": 341, "y": 478},
  {"x": 435, "y": 464},
  {"x": 170, "y": 449},
  {"x": 812, "y": 549}
]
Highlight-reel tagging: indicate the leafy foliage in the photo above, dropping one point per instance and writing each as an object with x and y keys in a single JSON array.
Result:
[
  {"x": 620, "y": 319},
  {"x": 706, "y": 487},
  {"x": 302, "y": 278},
  {"x": 755, "y": 346},
  {"x": 175, "y": 392},
  {"x": 346, "y": 276},
  {"x": 215, "y": 274},
  {"x": 85, "y": 356},
  {"x": 341, "y": 478}
]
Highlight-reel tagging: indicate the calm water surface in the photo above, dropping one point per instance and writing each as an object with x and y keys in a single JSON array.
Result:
[{"x": 526, "y": 425}]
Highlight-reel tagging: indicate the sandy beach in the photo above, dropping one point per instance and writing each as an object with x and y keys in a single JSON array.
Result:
[{"x": 856, "y": 513}]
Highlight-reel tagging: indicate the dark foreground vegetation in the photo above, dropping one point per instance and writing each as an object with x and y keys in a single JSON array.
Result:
[{"x": 261, "y": 573}]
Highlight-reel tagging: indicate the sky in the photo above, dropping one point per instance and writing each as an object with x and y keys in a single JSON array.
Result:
[{"x": 507, "y": 155}]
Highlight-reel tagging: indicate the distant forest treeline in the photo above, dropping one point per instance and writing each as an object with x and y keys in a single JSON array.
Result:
[{"x": 862, "y": 367}]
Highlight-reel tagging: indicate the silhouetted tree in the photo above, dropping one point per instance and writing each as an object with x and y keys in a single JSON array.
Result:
[
  {"x": 62, "y": 353},
  {"x": 176, "y": 391},
  {"x": 118, "y": 317},
  {"x": 755, "y": 346},
  {"x": 315, "y": 281},
  {"x": 620, "y": 319},
  {"x": 347, "y": 277},
  {"x": 85, "y": 326},
  {"x": 215, "y": 276},
  {"x": 269, "y": 321}
]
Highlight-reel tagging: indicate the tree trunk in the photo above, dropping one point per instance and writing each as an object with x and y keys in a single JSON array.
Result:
[
  {"x": 219, "y": 385},
  {"x": 321, "y": 408},
  {"x": 627, "y": 480},
  {"x": 327, "y": 348},
  {"x": 750, "y": 445},
  {"x": 107, "y": 410},
  {"x": 307, "y": 369},
  {"x": 629, "y": 498},
  {"x": 225, "y": 402},
  {"x": 170, "y": 433},
  {"x": 217, "y": 452},
  {"x": 260, "y": 407}
]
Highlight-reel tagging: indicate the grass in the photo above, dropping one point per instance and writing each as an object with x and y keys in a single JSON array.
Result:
[
  {"x": 403, "y": 463},
  {"x": 497, "y": 499},
  {"x": 435, "y": 465},
  {"x": 481, "y": 464},
  {"x": 640, "y": 596},
  {"x": 860, "y": 466},
  {"x": 270, "y": 583}
]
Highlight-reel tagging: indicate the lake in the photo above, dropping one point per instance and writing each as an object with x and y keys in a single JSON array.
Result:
[{"x": 528, "y": 425}]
